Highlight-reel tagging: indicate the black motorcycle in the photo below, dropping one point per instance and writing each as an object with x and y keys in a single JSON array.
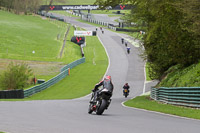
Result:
[
  {"x": 100, "y": 102},
  {"x": 125, "y": 92}
]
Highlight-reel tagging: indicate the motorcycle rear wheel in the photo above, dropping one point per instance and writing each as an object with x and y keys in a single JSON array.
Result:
[{"x": 102, "y": 107}]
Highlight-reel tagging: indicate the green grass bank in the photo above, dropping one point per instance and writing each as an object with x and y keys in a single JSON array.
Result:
[
  {"x": 82, "y": 78},
  {"x": 177, "y": 76},
  {"x": 33, "y": 33},
  {"x": 21, "y": 35},
  {"x": 144, "y": 102}
]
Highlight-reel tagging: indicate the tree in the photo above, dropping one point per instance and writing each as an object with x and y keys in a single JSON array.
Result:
[{"x": 15, "y": 77}]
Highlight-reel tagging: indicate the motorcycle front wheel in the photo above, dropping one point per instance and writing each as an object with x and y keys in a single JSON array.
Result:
[{"x": 90, "y": 109}]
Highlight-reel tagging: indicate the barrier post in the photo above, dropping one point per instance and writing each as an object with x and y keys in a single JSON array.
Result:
[{"x": 69, "y": 71}]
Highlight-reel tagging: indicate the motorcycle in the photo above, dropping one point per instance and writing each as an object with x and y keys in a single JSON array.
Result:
[
  {"x": 125, "y": 92},
  {"x": 102, "y": 101}
]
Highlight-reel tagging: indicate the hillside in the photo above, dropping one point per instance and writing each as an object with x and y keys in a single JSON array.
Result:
[
  {"x": 182, "y": 77},
  {"x": 31, "y": 38},
  {"x": 34, "y": 28}
]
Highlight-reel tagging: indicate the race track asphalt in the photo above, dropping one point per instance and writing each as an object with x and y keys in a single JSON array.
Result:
[{"x": 70, "y": 116}]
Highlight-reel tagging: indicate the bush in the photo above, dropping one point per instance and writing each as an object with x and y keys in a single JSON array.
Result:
[{"x": 15, "y": 77}]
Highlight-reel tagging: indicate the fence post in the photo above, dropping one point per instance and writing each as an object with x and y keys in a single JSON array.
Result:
[{"x": 68, "y": 71}]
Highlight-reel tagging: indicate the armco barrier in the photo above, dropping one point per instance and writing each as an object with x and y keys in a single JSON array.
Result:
[
  {"x": 73, "y": 64},
  {"x": 63, "y": 73},
  {"x": 183, "y": 96},
  {"x": 10, "y": 94}
]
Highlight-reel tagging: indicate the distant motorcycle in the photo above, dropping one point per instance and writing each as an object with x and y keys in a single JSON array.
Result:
[
  {"x": 125, "y": 92},
  {"x": 101, "y": 103}
]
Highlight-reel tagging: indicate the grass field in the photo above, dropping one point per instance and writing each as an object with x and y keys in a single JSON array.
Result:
[
  {"x": 82, "y": 78},
  {"x": 143, "y": 102},
  {"x": 135, "y": 35},
  {"x": 21, "y": 35}
]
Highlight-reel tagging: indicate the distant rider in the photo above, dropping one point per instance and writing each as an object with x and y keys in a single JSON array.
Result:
[
  {"x": 122, "y": 40},
  {"x": 126, "y": 86},
  {"x": 128, "y": 50}
]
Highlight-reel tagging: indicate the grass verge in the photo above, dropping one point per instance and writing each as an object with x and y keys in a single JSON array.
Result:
[
  {"x": 147, "y": 72},
  {"x": 20, "y": 35},
  {"x": 135, "y": 35},
  {"x": 144, "y": 102}
]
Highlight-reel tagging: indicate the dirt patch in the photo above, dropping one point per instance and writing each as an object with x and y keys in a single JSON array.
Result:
[{"x": 38, "y": 67}]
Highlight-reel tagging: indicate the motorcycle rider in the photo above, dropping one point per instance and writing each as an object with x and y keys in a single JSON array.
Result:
[
  {"x": 126, "y": 86},
  {"x": 106, "y": 83},
  {"x": 122, "y": 40}
]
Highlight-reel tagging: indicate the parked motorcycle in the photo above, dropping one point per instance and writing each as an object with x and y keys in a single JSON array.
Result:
[
  {"x": 125, "y": 92},
  {"x": 101, "y": 102}
]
